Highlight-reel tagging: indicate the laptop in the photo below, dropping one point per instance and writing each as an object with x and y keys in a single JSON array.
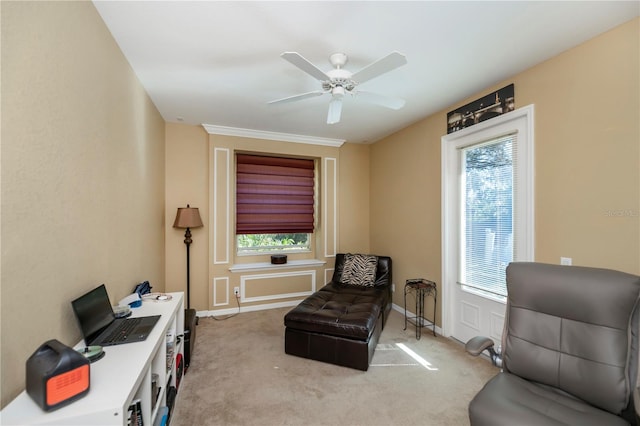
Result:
[{"x": 100, "y": 326}]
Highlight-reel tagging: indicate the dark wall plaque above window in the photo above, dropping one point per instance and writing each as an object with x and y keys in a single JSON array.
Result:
[{"x": 489, "y": 106}]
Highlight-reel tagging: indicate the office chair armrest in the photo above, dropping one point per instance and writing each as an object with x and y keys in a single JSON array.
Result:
[{"x": 476, "y": 345}]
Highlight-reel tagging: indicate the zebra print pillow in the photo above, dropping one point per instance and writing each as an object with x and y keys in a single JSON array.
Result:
[{"x": 359, "y": 269}]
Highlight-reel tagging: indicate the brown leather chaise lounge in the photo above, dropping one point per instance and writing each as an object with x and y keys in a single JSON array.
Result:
[{"x": 341, "y": 323}]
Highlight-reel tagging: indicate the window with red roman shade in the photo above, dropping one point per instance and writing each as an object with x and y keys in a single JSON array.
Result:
[{"x": 274, "y": 195}]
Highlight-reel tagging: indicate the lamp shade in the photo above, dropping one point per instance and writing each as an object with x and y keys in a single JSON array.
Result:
[{"x": 187, "y": 217}]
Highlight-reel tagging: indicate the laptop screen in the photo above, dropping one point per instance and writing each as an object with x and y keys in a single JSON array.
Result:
[{"x": 93, "y": 311}]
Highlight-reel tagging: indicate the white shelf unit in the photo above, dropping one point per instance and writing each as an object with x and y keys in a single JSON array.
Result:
[{"x": 119, "y": 378}]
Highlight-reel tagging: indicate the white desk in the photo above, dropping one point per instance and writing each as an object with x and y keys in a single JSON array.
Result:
[{"x": 122, "y": 375}]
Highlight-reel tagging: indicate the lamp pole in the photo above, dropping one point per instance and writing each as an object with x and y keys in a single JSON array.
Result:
[{"x": 188, "y": 241}]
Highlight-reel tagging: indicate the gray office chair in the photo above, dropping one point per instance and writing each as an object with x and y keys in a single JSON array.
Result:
[{"x": 569, "y": 349}]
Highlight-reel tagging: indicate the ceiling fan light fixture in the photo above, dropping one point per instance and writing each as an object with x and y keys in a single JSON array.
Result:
[
  {"x": 335, "y": 110},
  {"x": 338, "y": 92}
]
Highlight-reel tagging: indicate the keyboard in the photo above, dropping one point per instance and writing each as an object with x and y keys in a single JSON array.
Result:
[{"x": 122, "y": 331}]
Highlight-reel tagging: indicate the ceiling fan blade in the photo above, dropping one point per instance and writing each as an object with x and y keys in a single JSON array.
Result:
[
  {"x": 382, "y": 100},
  {"x": 335, "y": 109},
  {"x": 301, "y": 62},
  {"x": 381, "y": 66},
  {"x": 298, "y": 97}
]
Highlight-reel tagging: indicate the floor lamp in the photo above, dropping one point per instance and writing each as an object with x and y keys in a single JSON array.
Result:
[{"x": 187, "y": 217}]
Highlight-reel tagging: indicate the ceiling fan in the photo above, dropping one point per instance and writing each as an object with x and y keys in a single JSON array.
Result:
[{"x": 338, "y": 81}]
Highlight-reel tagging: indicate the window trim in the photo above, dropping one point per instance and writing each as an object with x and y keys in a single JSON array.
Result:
[{"x": 266, "y": 266}]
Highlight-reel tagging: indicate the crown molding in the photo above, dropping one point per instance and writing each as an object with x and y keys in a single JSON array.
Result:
[{"x": 274, "y": 136}]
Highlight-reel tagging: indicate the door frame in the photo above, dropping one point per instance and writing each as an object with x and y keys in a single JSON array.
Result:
[{"x": 521, "y": 120}]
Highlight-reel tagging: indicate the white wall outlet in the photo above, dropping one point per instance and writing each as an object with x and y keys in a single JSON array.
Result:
[
  {"x": 393, "y": 287},
  {"x": 236, "y": 291},
  {"x": 565, "y": 261}
]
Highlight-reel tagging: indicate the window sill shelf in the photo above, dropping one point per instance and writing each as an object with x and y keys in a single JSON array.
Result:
[{"x": 265, "y": 266}]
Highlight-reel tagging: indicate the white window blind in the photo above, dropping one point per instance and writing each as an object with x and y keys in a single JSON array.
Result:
[{"x": 488, "y": 182}]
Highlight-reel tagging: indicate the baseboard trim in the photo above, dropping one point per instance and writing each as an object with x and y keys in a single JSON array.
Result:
[
  {"x": 290, "y": 303},
  {"x": 250, "y": 308}
]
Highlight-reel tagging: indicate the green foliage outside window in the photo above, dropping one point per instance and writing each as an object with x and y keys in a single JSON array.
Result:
[{"x": 264, "y": 243}]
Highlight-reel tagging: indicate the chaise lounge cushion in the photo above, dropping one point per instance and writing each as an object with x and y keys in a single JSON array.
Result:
[{"x": 344, "y": 314}]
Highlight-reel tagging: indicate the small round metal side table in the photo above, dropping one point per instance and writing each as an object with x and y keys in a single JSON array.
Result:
[{"x": 420, "y": 288}]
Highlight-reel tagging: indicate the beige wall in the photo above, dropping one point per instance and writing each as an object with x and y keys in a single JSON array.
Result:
[
  {"x": 405, "y": 202},
  {"x": 187, "y": 182},
  {"x": 587, "y": 145},
  {"x": 587, "y": 158},
  {"x": 355, "y": 194},
  {"x": 82, "y": 176}
]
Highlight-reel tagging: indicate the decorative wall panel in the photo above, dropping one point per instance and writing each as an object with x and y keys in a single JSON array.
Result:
[
  {"x": 221, "y": 291},
  {"x": 220, "y": 230},
  {"x": 282, "y": 285},
  {"x": 330, "y": 204}
]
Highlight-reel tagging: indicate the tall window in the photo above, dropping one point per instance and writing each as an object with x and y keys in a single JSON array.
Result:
[
  {"x": 487, "y": 219},
  {"x": 274, "y": 203},
  {"x": 488, "y": 171}
]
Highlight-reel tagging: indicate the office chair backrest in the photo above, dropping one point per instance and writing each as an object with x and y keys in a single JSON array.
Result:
[{"x": 574, "y": 328}]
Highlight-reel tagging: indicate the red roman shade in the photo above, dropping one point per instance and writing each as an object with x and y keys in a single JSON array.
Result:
[{"x": 274, "y": 195}]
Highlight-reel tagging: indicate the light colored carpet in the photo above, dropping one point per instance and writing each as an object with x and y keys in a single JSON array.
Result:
[{"x": 240, "y": 375}]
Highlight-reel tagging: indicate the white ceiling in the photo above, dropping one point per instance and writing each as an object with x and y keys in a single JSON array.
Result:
[{"x": 218, "y": 63}]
